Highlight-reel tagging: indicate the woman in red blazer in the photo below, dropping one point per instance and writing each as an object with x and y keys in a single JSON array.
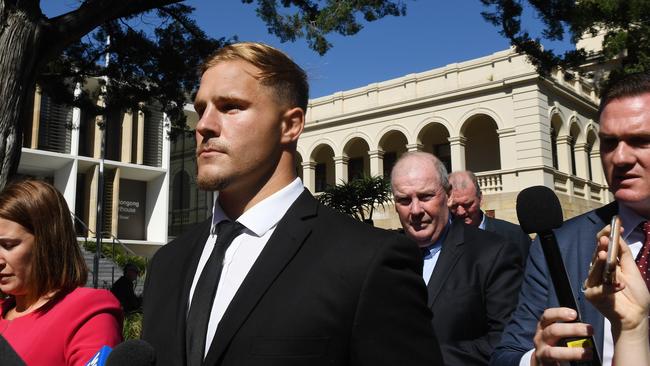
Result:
[{"x": 46, "y": 315}]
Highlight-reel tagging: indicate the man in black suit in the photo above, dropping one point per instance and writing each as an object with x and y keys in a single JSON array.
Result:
[
  {"x": 465, "y": 204},
  {"x": 301, "y": 284},
  {"x": 473, "y": 276},
  {"x": 124, "y": 289}
]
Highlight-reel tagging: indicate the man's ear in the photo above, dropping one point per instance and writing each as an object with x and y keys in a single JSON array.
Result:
[{"x": 293, "y": 122}]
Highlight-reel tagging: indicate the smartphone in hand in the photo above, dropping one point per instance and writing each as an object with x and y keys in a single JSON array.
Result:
[{"x": 609, "y": 273}]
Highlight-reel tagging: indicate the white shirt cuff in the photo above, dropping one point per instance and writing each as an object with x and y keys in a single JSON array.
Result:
[{"x": 525, "y": 359}]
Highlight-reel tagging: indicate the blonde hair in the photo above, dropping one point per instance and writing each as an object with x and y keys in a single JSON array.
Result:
[{"x": 277, "y": 71}]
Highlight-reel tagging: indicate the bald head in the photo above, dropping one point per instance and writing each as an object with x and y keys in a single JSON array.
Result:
[
  {"x": 418, "y": 160},
  {"x": 465, "y": 198},
  {"x": 464, "y": 179}
]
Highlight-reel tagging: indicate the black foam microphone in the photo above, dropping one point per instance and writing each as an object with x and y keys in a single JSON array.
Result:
[
  {"x": 134, "y": 352},
  {"x": 539, "y": 211}
]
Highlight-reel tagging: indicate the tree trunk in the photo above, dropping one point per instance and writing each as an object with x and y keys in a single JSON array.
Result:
[{"x": 19, "y": 35}]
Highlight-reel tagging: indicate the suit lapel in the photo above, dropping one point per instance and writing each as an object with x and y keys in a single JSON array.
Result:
[
  {"x": 489, "y": 223},
  {"x": 451, "y": 251},
  {"x": 291, "y": 232},
  {"x": 188, "y": 266}
]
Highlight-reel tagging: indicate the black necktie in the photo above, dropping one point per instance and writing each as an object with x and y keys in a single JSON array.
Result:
[{"x": 206, "y": 288}]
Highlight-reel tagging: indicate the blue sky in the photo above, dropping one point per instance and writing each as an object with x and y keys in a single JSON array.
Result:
[{"x": 433, "y": 33}]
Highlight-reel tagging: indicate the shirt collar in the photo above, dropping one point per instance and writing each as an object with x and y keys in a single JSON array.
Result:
[
  {"x": 629, "y": 219},
  {"x": 265, "y": 214},
  {"x": 441, "y": 238},
  {"x": 482, "y": 224}
]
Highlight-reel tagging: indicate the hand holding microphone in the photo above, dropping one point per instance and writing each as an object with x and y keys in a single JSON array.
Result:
[{"x": 560, "y": 336}]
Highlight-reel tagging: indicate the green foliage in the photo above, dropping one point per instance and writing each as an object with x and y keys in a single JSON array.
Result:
[
  {"x": 121, "y": 256},
  {"x": 358, "y": 197},
  {"x": 627, "y": 26},
  {"x": 156, "y": 66},
  {"x": 314, "y": 20},
  {"x": 132, "y": 326}
]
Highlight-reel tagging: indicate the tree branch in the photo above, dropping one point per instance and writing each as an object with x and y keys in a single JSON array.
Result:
[
  {"x": 190, "y": 28},
  {"x": 61, "y": 31}
]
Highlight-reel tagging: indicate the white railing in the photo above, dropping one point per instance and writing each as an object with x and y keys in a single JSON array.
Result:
[
  {"x": 490, "y": 182},
  {"x": 579, "y": 187}
]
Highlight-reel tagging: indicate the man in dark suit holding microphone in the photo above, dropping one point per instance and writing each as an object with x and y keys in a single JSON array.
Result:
[
  {"x": 538, "y": 326},
  {"x": 274, "y": 278}
]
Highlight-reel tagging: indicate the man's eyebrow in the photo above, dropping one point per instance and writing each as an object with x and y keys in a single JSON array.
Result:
[
  {"x": 199, "y": 103},
  {"x": 625, "y": 136}
]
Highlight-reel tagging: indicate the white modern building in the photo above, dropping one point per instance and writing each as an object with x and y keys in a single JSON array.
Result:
[{"x": 63, "y": 145}]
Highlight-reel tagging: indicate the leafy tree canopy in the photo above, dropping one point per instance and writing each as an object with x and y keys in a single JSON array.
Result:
[{"x": 626, "y": 25}]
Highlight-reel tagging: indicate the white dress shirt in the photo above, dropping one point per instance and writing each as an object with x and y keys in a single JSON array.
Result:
[
  {"x": 260, "y": 222},
  {"x": 634, "y": 237},
  {"x": 433, "y": 253}
]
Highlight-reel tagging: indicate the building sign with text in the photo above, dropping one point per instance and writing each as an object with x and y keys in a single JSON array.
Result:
[{"x": 131, "y": 210}]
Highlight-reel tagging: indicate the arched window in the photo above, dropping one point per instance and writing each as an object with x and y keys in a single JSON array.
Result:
[{"x": 482, "y": 152}]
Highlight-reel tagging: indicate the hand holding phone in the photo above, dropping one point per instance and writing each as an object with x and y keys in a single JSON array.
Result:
[{"x": 609, "y": 272}]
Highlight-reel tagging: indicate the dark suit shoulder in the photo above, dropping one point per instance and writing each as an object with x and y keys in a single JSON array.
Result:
[
  {"x": 346, "y": 226},
  {"x": 478, "y": 238},
  {"x": 503, "y": 224},
  {"x": 598, "y": 216},
  {"x": 582, "y": 228},
  {"x": 511, "y": 232},
  {"x": 181, "y": 243}
]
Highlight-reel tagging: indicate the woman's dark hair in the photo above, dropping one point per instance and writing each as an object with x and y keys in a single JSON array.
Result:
[{"x": 57, "y": 263}]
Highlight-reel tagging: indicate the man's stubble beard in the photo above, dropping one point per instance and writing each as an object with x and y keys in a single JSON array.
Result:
[{"x": 212, "y": 183}]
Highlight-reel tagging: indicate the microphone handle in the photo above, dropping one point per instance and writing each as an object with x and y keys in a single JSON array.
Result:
[{"x": 563, "y": 290}]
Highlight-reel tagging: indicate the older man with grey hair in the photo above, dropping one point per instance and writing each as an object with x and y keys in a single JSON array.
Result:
[{"x": 473, "y": 276}]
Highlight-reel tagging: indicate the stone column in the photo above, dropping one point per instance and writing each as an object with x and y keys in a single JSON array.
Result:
[
  {"x": 340, "y": 169},
  {"x": 115, "y": 204},
  {"x": 581, "y": 156},
  {"x": 139, "y": 153},
  {"x": 126, "y": 152},
  {"x": 36, "y": 117},
  {"x": 309, "y": 175},
  {"x": 507, "y": 145},
  {"x": 414, "y": 147},
  {"x": 376, "y": 162},
  {"x": 564, "y": 154},
  {"x": 75, "y": 125},
  {"x": 92, "y": 197},
  {"x": 99, "y": 120},
  {"x": 457, "y": 147},
  {"x": 597, "y": 174}
]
